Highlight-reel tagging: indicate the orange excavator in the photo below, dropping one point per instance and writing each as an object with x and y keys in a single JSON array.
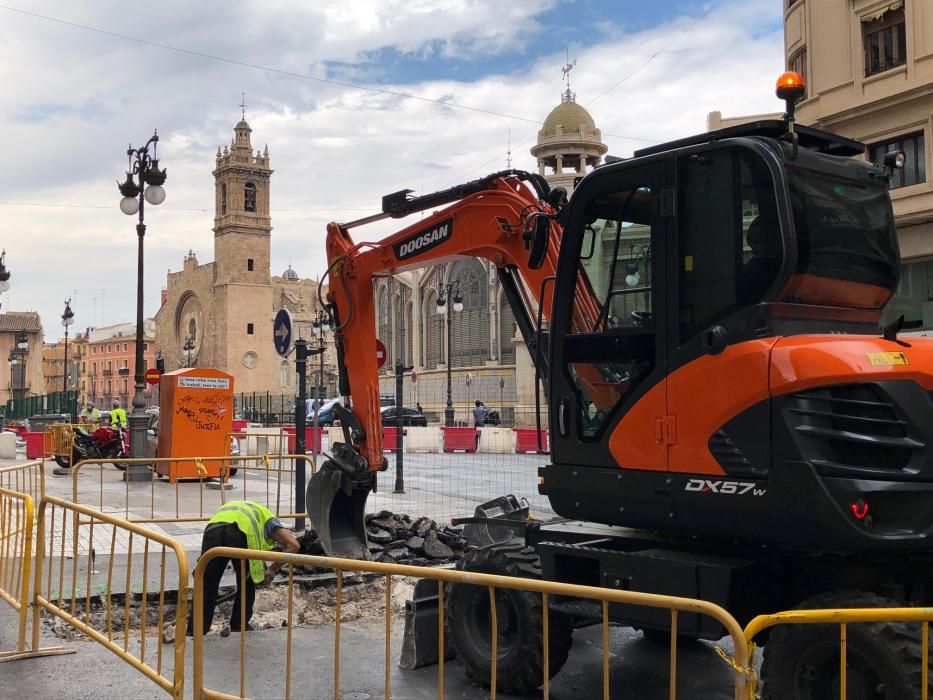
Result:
[{"x": 730, "y": 418}]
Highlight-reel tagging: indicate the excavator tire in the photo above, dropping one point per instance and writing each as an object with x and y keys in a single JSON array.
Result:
[
  {"x": 520, "y": 667},
  {"x": 801, "y": 662}
]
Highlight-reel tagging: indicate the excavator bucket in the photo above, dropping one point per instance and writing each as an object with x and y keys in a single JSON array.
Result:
[{"x": 336, "y": 506}]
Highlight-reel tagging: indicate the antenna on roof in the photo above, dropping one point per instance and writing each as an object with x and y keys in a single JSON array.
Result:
[
  {"x": 243, "y": 106},
  {"x": 568, "y": 96}
]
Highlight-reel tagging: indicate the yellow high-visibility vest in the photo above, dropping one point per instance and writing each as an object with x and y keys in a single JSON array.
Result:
[{"x": 251, "y": 518}]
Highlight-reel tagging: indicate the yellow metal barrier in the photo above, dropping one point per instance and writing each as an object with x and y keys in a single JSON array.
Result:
[
  {"x": 27, "y": 478},
  {"x": 58, "y": 440},
  {"x": 843, "y": 617},
  {"x": 270, "y": 488},
  {"x": 52, "y": 559},
  {"x": 744, "y": 676},
  {"x": 17, "y": 531}
]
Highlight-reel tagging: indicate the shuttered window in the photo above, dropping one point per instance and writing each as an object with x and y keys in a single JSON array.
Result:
[
  {"x": 470, "y": 333},
  {"x": 382, "y": 319},
  {"x": 433, "y": 331},
  {"x": 507, "y": 328}
]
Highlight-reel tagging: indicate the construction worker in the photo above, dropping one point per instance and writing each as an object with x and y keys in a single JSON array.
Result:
[
  {"x": 118, "y": 415},
  {"x": 246, "y": 525},
  {"x": 90, "y": 416}
]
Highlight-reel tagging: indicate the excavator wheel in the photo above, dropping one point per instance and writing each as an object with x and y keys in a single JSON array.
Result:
[
  {"x": 520, "y": 666},
  {"x": 883, "y": 659}
]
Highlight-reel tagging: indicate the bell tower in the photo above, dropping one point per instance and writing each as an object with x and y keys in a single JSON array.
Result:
[{"x": 242, "y": 223}]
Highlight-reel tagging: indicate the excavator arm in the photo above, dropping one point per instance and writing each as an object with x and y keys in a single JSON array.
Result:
[{"x": 506, "y": 218}]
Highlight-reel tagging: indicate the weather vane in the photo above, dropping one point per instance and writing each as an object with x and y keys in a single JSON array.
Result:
[
  {"x": 568, "y": 95},
  {"x": 243, "y": 105}
]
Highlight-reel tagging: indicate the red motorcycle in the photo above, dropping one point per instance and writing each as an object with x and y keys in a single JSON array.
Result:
[{"x": 104, "y": 443}]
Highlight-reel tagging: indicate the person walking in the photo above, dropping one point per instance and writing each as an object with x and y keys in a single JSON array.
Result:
[
  {"x": 244, "y": 525},
  {"x": 90, "y": 416},
  {"x": 479, "y": 414},
  {"x": 418, "y": 407},
  {"x": 118, "y": 416}
]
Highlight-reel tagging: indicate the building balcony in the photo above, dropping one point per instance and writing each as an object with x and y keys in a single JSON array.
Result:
[
  {"x": 123, "y": 371},
  {"x": 107, "y": 372}
]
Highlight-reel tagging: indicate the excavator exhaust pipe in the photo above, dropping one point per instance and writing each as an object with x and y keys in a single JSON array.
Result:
[{"x": 336, "y": 507}]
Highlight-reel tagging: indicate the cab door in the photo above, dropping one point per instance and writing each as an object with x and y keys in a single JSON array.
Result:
[
  {"x": 726, "y": 254},
  {"x": 608, "y": 350}
]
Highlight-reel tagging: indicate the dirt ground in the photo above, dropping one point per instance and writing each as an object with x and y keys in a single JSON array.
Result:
[{"x": 361, "y": 600}]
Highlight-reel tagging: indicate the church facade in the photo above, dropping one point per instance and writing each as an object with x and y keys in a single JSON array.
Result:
[{"x": 219, "y": 314}]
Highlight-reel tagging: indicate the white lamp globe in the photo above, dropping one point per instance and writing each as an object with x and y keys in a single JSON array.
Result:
[
  {"x": 129, "y": 205},
  {"x": 155, "y": 194}
]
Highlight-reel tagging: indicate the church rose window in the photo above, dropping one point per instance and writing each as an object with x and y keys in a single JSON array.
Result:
[{"x": 249, "y": 197}]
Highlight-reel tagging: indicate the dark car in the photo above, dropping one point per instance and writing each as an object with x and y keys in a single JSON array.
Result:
[{"x": 410, "y": 417}]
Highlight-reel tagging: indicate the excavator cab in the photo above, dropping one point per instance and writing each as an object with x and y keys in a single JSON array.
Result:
[{"x": 705, "y": 393}]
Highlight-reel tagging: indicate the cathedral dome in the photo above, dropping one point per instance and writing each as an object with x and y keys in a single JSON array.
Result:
[
  {"x": 570, "y": 116},
  {"x": 242, "y": 125},
  {"x": 290, "y": 275}
]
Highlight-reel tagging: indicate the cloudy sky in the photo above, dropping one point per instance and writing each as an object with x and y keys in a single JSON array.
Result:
[{"x": 355, "y": 99}]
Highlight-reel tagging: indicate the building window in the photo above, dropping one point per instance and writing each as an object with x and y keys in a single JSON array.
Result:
[
  {"x": 223, "y": 198},
  {"x": 249, "y": 264},
  {"x": 884, "y": 37},
  {"x": 249, "y": 197},
  {"x": 145, "y": 346},
  {"x": 124, "y": 347},
  {"x": 798, "y": 64},
  {"x": 249, "y": 329},
  {"x": 285, "y": 372},
  {"x": 914, "y": 170}
]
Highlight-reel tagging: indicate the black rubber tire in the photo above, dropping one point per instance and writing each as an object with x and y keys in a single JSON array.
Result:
[
  {"x": 61, "y": 461},
  {"x": 116, "y": 453},
  {"x": 801, "y": 662},
  {"x": 662, "y": 638},
  {"x": 520, "y": 667}
]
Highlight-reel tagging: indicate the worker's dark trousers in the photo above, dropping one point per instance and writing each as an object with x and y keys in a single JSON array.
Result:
[{"x": 225, "y": 535}]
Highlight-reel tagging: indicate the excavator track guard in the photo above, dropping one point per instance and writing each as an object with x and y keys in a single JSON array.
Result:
[{"x": 336, "y": 499}]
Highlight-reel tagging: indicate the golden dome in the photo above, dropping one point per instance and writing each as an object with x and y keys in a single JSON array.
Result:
[{"x": 570, "y": 116}]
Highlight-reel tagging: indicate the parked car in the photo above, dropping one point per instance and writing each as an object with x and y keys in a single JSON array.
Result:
[
  {"x": 410, "y": 417},
  {"x": 325, "y": 415}
]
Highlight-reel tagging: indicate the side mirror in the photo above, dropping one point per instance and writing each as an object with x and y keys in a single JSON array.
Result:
[{"x": 538, "y": 240}]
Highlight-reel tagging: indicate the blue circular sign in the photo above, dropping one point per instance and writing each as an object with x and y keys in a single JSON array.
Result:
[{"x": 282, "y": 332}]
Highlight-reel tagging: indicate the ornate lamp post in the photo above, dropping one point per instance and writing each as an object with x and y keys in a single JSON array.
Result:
[
  {"x": 633, "y": 275},
  {"x": 321, "y": 325},
  {"x": 188, "y": 347},
  {"x": 17, "y": 358},
  {"x": 448, "y": 291},
  {"x": 146, "y": 188},
  {"x": 68, "y": 317}
]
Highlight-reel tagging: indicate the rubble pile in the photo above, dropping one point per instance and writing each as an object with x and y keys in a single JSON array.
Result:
[{"x": 396, "y": 539}]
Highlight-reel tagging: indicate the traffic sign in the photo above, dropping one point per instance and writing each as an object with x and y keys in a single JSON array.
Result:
[
  {"x": 153, "y": 375},
  {"x": 282, "y": 332},
  {"x": 381, "y": 353},
  {"x": 414, "y": 377}
]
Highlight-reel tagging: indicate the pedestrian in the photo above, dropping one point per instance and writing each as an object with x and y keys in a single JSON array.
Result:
[
  {"x": 245, "y": 525},
  {"x": 90, "y": 416},
  {"x": 118, "y": 415},
  {"x": 479, "y": 414},
  {"x": 418, "y": 406}
]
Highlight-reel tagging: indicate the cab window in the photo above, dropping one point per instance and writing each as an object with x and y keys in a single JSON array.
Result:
[
  {"x": 611, "y": 346},
  {"x": 729, "y": 247}
]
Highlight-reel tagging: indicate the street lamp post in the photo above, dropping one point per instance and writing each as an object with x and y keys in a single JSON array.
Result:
[
  {"x": 146, "y": 188},
  {"x": 68, "y": 317},
  {"x": 321, "y": 325},
  {"x": 188, "y": 347},
  {"x": 4, "y": 274},
  {"x": 18, "y": 357},
  {"x": 633, "y": 275},
  {"x": 451, "y": 290}
]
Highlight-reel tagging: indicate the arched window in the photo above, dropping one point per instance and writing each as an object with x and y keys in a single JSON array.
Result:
[
  {"x": 383, "y": 322},
  {"x": 223, "y": 198},
  {"x": 507, "y": 328},
  {"x": 409, "y": 335},
  {"x": 400, "y": 332},
  {"x": 434, "y": 331},
  {"x": 249, "y": 197},
  {"x": 284, "y": 373},
  {"x": 470, "y": 332}
]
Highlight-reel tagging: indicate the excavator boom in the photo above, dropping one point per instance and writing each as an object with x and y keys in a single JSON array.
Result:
[{"x": 505, "y": 218}]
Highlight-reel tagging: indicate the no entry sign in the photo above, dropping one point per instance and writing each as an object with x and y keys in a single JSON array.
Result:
[
  {"x": 153, "y": 375},
  {"x": 381, "y": 353}
]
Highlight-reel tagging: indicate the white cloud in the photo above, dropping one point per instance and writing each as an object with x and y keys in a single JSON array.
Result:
[{"x": 72, "y": 99}]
